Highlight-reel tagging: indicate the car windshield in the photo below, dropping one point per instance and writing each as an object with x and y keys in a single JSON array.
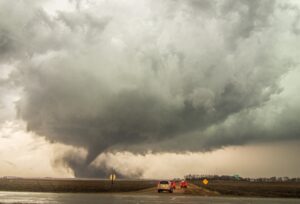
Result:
[{"x": 164, "y": 182}]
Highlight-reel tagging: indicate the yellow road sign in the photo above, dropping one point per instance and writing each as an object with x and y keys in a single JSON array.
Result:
[{"x": 205, "y": 181}]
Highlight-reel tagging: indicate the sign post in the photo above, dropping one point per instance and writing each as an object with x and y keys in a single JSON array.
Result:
[{"x": 112, "y": 178}]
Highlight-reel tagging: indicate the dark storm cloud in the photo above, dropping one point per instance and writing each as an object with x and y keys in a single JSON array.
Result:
[
  {"x": 25, "y": 30},
  {"x": 149, "y": 74}
]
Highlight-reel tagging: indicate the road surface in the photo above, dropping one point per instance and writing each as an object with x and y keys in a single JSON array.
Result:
[
  {"x": 190, "y": 190},
  {"x": 116, "y": 198}
]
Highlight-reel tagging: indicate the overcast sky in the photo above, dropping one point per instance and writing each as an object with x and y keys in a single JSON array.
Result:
[{"x": 146, "y": 87}]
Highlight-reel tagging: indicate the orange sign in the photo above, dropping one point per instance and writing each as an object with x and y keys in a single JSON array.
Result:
[{"x": 205, "y": 181}]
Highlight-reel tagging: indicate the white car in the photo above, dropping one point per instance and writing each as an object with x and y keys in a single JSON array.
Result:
[{"x": 164, "y": 186}]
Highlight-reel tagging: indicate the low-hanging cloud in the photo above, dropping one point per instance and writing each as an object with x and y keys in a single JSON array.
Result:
[{"x": 128, "y": 74}]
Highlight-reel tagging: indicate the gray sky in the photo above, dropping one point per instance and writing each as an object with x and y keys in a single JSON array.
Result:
[{"x": 84, "y": 83}]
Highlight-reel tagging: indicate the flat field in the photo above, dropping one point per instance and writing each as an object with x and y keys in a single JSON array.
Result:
[
  {"x": 257, "y": 189},
  {"x": 73, "y": 185},
  {"x": 214, "y": 187}
]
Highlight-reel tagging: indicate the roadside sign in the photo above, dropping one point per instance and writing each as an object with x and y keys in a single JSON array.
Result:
[
  {"x": 112, "y": 177},
  {"x": 205, "y": 181}
]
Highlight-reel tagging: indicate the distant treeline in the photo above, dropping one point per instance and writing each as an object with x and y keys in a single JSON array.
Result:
[{"x": 239, "y": 178}]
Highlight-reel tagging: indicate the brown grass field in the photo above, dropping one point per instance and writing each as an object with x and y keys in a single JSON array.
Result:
[
  {"x": 214, "y": 187},
  {"x": 73, "y": 185},
  {"x": 257, "y": 189}
]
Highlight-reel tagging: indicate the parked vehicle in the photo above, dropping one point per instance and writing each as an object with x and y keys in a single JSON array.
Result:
[
  {"x": 173, "y": 184},
  {"x": 183, "y": 184},
  {"x": 164, "y": 186}
]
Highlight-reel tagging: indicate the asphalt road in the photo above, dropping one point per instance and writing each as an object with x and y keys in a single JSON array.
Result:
[
  {"x": 190, "y": 190},
  {"x": 116, "y": 198}
]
